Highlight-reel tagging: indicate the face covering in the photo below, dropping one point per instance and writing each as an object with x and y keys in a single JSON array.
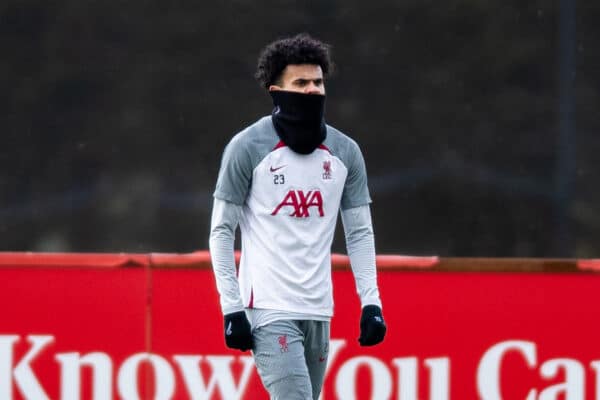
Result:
[{"x": 299, "y": 119}]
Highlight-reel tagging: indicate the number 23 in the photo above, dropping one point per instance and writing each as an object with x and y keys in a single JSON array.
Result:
[{"x": 279, "y": 179}]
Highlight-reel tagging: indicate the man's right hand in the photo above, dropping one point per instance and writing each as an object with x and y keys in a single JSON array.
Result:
[{"x": 238, "y": 334}]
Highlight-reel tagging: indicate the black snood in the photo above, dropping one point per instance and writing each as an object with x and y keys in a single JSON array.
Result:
[{"x": 299, "y": 119}]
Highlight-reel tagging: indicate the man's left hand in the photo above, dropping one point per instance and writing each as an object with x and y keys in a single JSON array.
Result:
[{"x": 372, "y": 326}]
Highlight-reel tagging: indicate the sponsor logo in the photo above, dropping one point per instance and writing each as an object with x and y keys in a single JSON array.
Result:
[
  {"x": 273, "y": 169},
  {"x": 300, "y": 203}
]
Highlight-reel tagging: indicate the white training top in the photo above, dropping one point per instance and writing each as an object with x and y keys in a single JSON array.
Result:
[{"x": 289, "y": 206}]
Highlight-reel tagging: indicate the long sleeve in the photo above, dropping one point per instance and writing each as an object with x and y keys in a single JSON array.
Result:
[
  {"x": 360, "y": 243},
  {"x": 224, "y": 222}
]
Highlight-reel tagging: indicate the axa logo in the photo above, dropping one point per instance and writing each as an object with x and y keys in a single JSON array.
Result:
[{"x": 300, "y": 203}]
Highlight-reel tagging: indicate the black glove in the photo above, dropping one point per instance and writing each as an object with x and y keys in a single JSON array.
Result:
[
  {"x": 372, "y": 326},
  {"x": 237, "y": 331}
]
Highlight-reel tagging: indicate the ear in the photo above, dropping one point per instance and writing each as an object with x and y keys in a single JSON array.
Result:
[{"x": 274, "y": 87}]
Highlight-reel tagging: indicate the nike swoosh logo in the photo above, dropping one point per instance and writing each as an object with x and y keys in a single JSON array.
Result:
[
  {"x": 228, "y": 331},
  {"x": 277, "y": 168}
]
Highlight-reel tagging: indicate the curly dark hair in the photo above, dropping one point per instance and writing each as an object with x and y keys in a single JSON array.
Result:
[{"x": 299, "y": 49}]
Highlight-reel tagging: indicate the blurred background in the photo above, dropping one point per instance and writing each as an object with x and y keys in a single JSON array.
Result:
[{"x": 478, "y": 119}]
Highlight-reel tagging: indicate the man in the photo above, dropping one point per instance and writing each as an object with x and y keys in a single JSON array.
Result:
[{"x": 284, "y": 179}]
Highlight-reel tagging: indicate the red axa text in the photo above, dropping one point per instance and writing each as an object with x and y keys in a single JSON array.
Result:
[{"x": 301, "y": 202}]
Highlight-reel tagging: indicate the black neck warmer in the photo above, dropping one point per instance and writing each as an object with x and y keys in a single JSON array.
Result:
[{"x": 299, "y": 120}]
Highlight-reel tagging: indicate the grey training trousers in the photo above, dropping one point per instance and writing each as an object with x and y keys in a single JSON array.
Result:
[{"x": 291, "y": 357}]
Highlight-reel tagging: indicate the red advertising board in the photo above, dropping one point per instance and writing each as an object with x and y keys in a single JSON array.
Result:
[{"x": 80, "y": 332}]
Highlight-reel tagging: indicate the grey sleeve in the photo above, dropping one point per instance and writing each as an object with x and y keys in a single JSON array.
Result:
[
  {"x": 360, "y": 242},
  {"x": 235, "y": 174},
  {"x": 224, "y": 221},
  {"x": 356, "y": 191}
]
